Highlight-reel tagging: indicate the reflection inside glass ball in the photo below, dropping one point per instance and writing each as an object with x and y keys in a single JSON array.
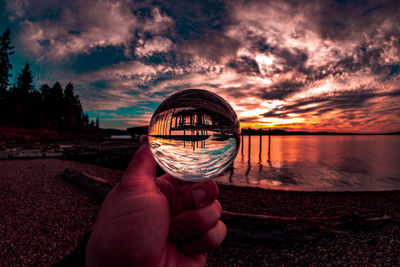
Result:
[{"x": 194, "y": 135}]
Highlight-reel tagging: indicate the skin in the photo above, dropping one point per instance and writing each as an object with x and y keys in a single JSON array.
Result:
[{"x": 149, "y": 221}]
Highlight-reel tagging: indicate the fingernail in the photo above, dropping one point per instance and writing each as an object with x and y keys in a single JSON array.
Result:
[{"x": 199, "y": 196}]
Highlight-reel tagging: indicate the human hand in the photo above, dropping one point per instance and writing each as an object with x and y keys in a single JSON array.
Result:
[{"x": 149, "y": 221}]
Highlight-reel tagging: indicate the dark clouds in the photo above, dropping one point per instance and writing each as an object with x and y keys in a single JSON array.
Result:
[
  {"x": 280, "y": 63},
  {"x": 97, "y": 59},
  {"x": 281, "y": 90},
  {"x": 245, "y": 65},
  {"x": 342, "y": 20},
  {"x": 356, "y": 100}
]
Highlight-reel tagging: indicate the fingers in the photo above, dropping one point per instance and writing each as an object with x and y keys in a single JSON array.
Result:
[
  {"x": 170, "y": 189},
  {"x": 141, "y": 171},
  {"x": 199, "y": 195},
  {"x": 195, "y": 214},
  {"x": 183, "y": 195},
  {"x": 193, "y": 222},
  {"x": 205, "y": 242}
]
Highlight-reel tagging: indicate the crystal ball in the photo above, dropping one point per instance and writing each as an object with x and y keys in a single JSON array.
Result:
[{"x": 194, "y": 135}]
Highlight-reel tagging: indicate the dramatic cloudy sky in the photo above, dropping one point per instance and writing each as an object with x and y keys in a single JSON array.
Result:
[{"x": 304, "y": 65}]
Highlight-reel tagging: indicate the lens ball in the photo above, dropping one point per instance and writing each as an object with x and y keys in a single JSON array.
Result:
[{"x": 194, "y": 135}]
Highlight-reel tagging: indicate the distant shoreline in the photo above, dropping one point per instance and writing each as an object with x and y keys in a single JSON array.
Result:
[
  {"x": 142, "y": 130},
  {"x": 283, "y": 132}
]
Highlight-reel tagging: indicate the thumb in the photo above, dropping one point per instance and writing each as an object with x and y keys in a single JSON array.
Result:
[{"x": 141, "y": 172}]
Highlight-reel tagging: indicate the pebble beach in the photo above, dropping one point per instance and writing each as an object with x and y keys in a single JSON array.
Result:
[{"x": 43, "y": 217}]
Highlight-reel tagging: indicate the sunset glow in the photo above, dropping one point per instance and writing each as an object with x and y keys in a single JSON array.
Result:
[{"x": 315, "y": 66}]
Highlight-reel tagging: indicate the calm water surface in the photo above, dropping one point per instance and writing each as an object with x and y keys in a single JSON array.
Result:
[{"x": 317, "y": 163}]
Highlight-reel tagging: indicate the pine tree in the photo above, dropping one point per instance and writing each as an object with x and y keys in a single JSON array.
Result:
[
  {"x": 79, "y": 113},
  {"x": 85, "y": 120},
  {"x": 22, "y": 100},
  {"x": 25, "y": 81},
  {"x": 6, "y": 50},
  {"x": 45, "y": 107},
  {"x": 45, "y": 90},
  {"x": 72, "y": 108},
  {"x": 56, "y": 105},
  {"x": 70, "y": 118},
  {"x": 50, "y": 107},
  {"x": 34, "y": 117}
]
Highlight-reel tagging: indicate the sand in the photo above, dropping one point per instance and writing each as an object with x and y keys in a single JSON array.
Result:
[{"x": 43, "y": 217}]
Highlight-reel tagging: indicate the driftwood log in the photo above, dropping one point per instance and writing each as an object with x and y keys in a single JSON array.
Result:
[
  {"x": 247, "y": 228},
  {"x": 261, "y": 228},
  {"x": 96, "y": 185}
]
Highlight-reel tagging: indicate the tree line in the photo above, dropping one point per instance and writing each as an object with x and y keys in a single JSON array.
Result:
[{"x": 24, "y": 105}]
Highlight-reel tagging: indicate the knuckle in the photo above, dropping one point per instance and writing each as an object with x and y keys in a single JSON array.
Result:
[
  {"x": 216, "y": 236},
  {"x": 216, "y": 209},
  {"x": 219, "y": 207}
]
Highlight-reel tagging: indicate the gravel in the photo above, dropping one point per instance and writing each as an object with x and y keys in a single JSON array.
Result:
[
  {"x": 43, "y": 217},
  {"x": 376, "y": 246}
]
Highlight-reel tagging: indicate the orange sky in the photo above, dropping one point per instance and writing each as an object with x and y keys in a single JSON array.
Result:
[{"x": 315, "y": 65}]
